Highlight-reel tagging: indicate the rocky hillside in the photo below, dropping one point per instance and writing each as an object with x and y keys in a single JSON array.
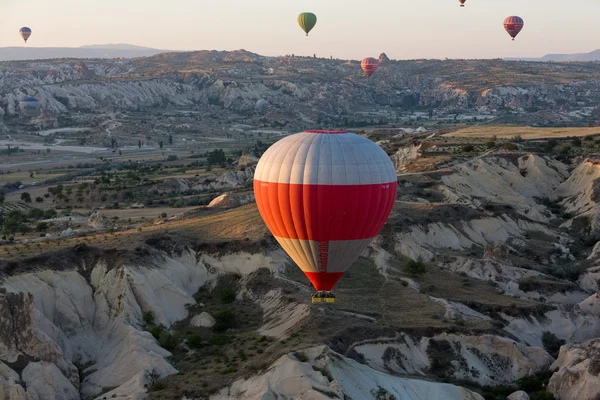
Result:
[
  {"x": 178, "y": 312},
  {"x": 303, "y": 90}
]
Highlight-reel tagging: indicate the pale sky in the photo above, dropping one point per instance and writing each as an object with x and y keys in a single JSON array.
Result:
[{"x": 404, "y": 29}]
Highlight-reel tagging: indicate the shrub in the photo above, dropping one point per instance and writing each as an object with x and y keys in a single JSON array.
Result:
[
  {"x": 301, "y": 356},
  {"x": 510, "y": 147},
  {"x": 226, "y": 319},
  {"x": 588, "y": 138},
  {"x": 490, "y": 145},
  {"x": 156, "y": 331},
  {"x": 220, "y": 340},
  {"x": 228, "y": 295},
  {"x": 148, "y": 317},
  {"x": 415, "y": 268},
  {"x": 195, "y": 341},
  {"x": 166, "y": 341},
  {"x": 468, "y": 148},
  {"x": 552, "y": 343}
]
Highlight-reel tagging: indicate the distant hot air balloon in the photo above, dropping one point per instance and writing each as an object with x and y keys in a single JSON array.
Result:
[
  {"x": 30, "y": 106},
  {"x": 369, "y": 65},
  {"x": 307, "y": 21},
  {"x": 261, "y": 105},
  {"x": 513, "y": 26},
  {"x": 25, "y": 33},
  {"x": 462, "y": 2},
  {"x": 325, "y": 195}
]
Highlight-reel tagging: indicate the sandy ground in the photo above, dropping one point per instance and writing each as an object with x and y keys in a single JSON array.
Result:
[{"x": 526, "y": 132}]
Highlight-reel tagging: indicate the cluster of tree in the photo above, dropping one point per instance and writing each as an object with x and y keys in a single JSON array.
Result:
[
  {"x": 260, "y": 148},
  {"x": 216, "y": 157},
  {"x": 16, "y": 221}
]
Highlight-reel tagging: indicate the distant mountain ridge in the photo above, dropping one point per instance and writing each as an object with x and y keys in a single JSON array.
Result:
[
  {"x": 581, "y": 57},
  {"x": 120, "y": 50}
]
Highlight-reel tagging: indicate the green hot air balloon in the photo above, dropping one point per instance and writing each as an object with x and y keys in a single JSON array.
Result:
[{"x": 307, "y": 21}]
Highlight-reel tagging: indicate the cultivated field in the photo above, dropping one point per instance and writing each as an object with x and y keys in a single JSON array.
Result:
[{"x": 526, "y": 132}]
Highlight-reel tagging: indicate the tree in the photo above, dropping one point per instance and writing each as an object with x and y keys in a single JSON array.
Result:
[
  {"x": 415, "y": 267},
  {"x": 2, "y": 198},
  {"x": 160, "y": 144},
  {"x": 139, "y": 144},
  {"x": 42, "y": 227},
  {"x": 217, "y": 156},
  {"x": 170, "y": 140},
  {"x": 468, "y": 148},
  {"x": 39, "y": 199},
  {"x": 490, "y": 144},
  {"x": 48, "y": 151},
  {"x": 26, "y": 197}
]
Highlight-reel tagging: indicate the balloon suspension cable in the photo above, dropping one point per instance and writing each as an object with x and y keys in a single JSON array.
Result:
[{"x": 323, "y": 296}]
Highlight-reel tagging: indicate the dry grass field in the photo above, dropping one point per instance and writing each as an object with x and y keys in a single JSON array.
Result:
[{"x": 526, "y": 132}]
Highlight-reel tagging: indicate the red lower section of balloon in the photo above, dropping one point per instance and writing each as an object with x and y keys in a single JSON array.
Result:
[
  {"x": 324, "y": 212},
  {"x": 324, "y": 280}
]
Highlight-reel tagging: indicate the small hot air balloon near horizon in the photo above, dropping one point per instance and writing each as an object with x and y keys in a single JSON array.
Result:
[
  {"x": 261, "y": 105},
  {"x": 369, "y": 65},
  {"x": 25, "y": 33},
  {"x": 307, "y": 21},
  {"x": 30, "y": 106},
  {"x": 513, "y": 26},
  {"x": 462, "y": 2},
  {"x": 325, "y": 195}
]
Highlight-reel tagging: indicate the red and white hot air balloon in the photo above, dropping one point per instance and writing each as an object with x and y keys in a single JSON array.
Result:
[
  {"x": 513, "y": 26},
  {"x": 325, "y": 195},
  {"x": 369, "y": 65}
]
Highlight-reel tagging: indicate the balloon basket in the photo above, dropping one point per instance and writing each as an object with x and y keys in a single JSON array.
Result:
[{"x": 323, "y": 297}]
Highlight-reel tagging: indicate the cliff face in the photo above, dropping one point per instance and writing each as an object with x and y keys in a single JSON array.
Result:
[
  {"x": 52, "y": 321},
  {"x": 234, "y": 81}
]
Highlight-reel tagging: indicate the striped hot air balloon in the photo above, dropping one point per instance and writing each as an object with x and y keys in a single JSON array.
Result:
[
  {"x": 513, "y": 26},
  {"x": 325, "y": 195},
  {"x": 369, "y": 65},
  {"x": 25, "y": 33},
  {"x": 462, "y": 2},
  {"x": 307, "y": 21}
]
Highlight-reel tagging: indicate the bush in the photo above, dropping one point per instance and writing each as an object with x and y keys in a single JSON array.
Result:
[
  {"x": 301, "y": 356},
  {"x": 228, "y": 295},
  {"x": 468, "y": 148},
  {"x": 415, "y": 268},
  {"x": 220, "y": 340},
  {"x": 158, "y": 385},
  {"x": 148, "y": 317},
  {"x": 576, "y": 142},
  {"x": 588, "y": 138},
  {"x": 552, "y": 343},
  {"x": 490, "y": 145},
  {"x": 510, "y": 147},
  {"x": 225, "y": 320},
  {"x": 542, "y": 396},
  {"x": 195, "y": 341},
  {"x": 156, "y": 331},
  {"x": 166, "y": 341}
]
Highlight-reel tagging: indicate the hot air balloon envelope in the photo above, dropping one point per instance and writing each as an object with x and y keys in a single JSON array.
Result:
[
  {"x": 513, "y": 25},
  {"x": 25, "y": 33},
  {"x": 30, "y": 106},
  {"x": 369, "y": 65},
  {"x": 307, "y": 21},
  {"x": 462, "y": 2},
  {"x": 325, "y": 195},
  {"x": 261, "y": 105}
]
